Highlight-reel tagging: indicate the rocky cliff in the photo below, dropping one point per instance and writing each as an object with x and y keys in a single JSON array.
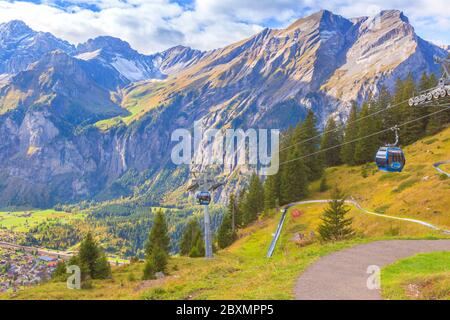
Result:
[{"x": 94, "y": 121}]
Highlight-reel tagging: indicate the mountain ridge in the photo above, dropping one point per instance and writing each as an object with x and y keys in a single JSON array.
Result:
[{"x": 65, "y": 141}]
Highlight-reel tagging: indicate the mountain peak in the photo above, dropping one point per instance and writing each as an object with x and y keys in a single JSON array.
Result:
[
  {"x": 14, "y": 29},
  {"x": 107, "y": 43},
  {"x": 394, "y": 14},
  {"x": 322, "y": 19},
  {"x": 15, "y": 26}
]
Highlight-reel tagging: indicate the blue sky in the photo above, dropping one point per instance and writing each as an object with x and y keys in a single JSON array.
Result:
[{"x": 154, "y": 25}]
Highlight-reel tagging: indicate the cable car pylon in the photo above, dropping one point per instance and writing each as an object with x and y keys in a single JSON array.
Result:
[{"x": 202, "y": 184}]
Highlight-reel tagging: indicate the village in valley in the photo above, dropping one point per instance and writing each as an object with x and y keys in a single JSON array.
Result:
[{"x": 20, "y": 268}]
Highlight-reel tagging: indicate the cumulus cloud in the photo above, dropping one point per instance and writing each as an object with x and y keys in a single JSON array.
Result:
[{"x": 155, "y": 25}]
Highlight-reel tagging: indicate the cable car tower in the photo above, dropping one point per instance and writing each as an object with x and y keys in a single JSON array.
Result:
[
  {"x": 441, "y": 91},
  {"x": 202, "y": 184}
]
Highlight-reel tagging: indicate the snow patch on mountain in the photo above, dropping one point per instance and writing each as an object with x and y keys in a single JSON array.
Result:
[
  {"x": 129, "y": 69},
  {"x": 88, "y": 55}
]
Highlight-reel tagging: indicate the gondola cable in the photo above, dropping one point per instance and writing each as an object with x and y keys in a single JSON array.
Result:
[
  {"x": 338, "y": 128},
  {"x": 445, "y": 108}
]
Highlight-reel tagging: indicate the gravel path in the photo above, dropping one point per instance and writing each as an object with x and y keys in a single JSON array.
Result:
[
  {"x": 438, "y": 164},
  {"x": 343, "y": 275}
]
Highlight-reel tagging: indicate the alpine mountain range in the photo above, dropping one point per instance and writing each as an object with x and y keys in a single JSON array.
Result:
[{"x": 93, "y": 121}]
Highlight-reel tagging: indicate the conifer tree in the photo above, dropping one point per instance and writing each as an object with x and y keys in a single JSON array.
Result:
[
  {"x": 331, "y": 140},
  {"x": 225, "y": 234},
  {"x": 350, "y": 134},
  {"x": 254, "y": 201},
  {"x": 366, "y": 147},
  {"x": 294, "y": 181},
  {"x": 157, "y": 248},
  {"x": 241, "y": 208},
  {"x": 323, "y": 184},
  {"x": 307, "y": 141},
  {"x": 271, "y": 192},
  {"x": 92, "y": 260},
  {"x": 335, "y": 224},
  {"x": 191, "y": 236},
  {"x": 159, "y": 236},
  {"x": 414, "y": 130}
]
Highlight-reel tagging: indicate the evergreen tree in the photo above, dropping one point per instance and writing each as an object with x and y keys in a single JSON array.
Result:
[
  {"x": 294, "y": 181},
  {"x": 60, "y": 273},
  {"x": 272, "y": 192},
  {"x": 331, "y": 139},
  {"x": 241, "y": 208},
  {"x": 198, "y": 250},
  {"x": 414, "y": 130},
  {"x": 335, "y": 225},
  {"x": 366, "y": 147},
  {"x": 350, "y": 134},
  {"x": 102, "y": 268},
  {"x": 254, "y": 200},
  {"x": 159, "y": 236},
  {"x": 191, "y": 236},
  {"x": 225, "y": 234},
  {"x": 92, "y": 260},
  {"x": 307, "y": 141},
  {"x": 323, "y": 184},
  {"x": 157, "y": 249},
  {"x": 383, "y": 118}
]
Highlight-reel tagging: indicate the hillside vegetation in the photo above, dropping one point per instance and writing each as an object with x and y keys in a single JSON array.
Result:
[
  {"x": 419, "y": 192},
  {"x": 425, "y": 276}
]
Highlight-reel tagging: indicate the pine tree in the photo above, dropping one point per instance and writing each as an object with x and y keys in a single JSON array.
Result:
[
  {"x": 225, "y": 234},
  {"x": 157, "y": 248},
  {"x": 92, "y": 260},
  {"x": 414, "y": 130},
  {"x": 254, "y": 200},
  {"x": 323, "y": 184},
  {"x": 367, "y": 145},
  {"x": 198, "y": 250},
  {"x": 350, "y": 134},
  {"x": 294, "y": 181},
  {"x": 332, "y": 138},
  {"x": 241, "y": 208},
  {"x": 335, "y": 225},
  {"x": 102, "y": 267},
  {"x": 382, "y": 117},
  {"x": 307, "y": 140},
  {"x": 271, "y": 192},
  {"x": 191, "y": 235},
  {"x": 60, "y": 273},
  {"x": 159, "y": 236}
]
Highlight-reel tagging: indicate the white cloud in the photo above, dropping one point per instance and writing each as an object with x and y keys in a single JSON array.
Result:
[{"x": 154, "y": 25}]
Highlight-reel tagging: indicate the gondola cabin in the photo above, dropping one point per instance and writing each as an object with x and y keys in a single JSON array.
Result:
[
  {"x": 203, "y": 198},
  {"x": 390, "y": 159}
]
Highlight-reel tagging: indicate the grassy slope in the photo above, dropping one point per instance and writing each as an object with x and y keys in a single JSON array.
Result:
[
  {"x": 424, "y": 276},
  {"x": 418, "y": 192},
  {"x": 243, "y": 272}
]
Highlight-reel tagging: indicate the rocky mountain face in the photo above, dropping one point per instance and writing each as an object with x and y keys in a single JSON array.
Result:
[
  {"x": 20, "y": 46},
  {"x": 54, "y": 96},
  {"x": 126, "y": 63}
]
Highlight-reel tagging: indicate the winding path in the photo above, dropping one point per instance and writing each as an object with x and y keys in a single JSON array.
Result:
[
  {"x": 343, "y": 275},
  {"x": 358, "y": 206},
  {"x": 438, "y": 164}
]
